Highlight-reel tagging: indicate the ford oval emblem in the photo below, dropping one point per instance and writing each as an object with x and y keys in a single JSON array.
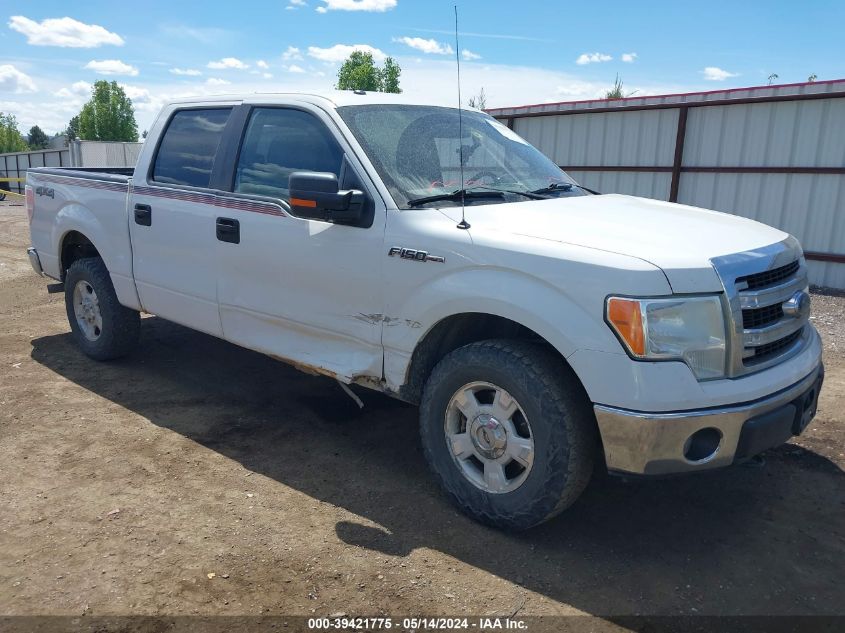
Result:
[{"x": 798, "y": 305}]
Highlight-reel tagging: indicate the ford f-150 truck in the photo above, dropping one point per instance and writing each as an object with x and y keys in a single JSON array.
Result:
[{"x": 436, "y": 256}]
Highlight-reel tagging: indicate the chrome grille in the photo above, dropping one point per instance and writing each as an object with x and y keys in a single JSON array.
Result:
[
  {"x": 757, "y": 285},
  {"x": 774, "y": 348},
  {"x": 758, "y": 317},
  {"x": 768, "y": 277}
]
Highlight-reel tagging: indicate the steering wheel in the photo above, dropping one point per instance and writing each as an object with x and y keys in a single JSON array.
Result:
[{"x": 481, "y": 175}]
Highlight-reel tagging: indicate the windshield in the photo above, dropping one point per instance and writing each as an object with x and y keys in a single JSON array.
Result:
[{"x": 417, "y": 152}]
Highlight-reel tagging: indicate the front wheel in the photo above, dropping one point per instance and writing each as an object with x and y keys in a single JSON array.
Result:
[
  {"x": 103, "y": 328},
  {"x": 508, "y": 431}
]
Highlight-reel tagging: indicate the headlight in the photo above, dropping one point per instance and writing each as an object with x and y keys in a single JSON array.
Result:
[{"x": 690, "y": 329}]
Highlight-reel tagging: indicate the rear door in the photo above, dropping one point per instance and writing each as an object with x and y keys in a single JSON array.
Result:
[
  {"x": 300, "y": 288},
  {"x": 173, "y": 211}
]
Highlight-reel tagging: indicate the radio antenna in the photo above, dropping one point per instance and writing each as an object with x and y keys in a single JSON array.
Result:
[{"x": 463, "y": 224}]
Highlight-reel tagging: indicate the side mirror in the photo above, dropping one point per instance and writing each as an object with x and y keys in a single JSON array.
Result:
[{"x": 316, "y": 195}]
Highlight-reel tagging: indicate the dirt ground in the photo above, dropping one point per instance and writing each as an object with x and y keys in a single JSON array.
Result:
[{"x": 195, "y": 477}]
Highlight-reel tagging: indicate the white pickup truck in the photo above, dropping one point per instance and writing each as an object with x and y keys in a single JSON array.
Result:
[{"x": 546, "y": 331}]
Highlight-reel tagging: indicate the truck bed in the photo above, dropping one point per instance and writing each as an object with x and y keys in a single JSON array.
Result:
[{"x": 66, "y": 199}]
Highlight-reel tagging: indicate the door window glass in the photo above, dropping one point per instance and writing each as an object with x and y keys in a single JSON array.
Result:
[{"x": 279, "y": 142}]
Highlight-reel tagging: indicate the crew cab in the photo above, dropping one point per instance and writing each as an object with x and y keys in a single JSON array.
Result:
[{"x": 434, "y": 255}]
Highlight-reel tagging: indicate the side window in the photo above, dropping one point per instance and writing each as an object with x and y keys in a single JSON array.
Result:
[
  {"x": 186, "y": 153},
  {"x": 279, "y": 142}
]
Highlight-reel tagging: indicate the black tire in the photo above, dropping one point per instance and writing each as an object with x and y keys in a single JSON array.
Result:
[
  {"x": 121, "y": 326},
  {"x": 561, "y": 420}
]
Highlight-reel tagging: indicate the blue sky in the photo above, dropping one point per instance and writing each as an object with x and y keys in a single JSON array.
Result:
[{"x": 520, "y": 52}]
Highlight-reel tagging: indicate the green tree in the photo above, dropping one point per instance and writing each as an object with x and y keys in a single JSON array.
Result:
[
  {"x": 10, "y": 137},
  {"x": 390, "y": 76},
  {"x": 478, "y": 101},
  {"x": 72, "y": 129},
  {"x": 359, "y": 72},
  {"x": 616, "y": 92},
  {"x": 37, "y": 138},
  {"x": 108, "y": 116}
]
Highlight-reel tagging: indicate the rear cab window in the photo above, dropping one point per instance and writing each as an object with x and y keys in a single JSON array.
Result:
[{"x": 186, "y": 153}]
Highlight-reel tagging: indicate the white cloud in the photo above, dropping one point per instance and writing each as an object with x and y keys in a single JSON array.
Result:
[
  {"x": 142, "y": 99},
  {"x": 293, "y": 68},
  {"x": 292, "y": 52},
  {"x": 431, "y": 46},
  {"x": 207, "y": 35},
  {"x": 111, "y": 67},
  {"x": 293, "y": 5},
  {"x": 469, "y": 55},
  {"x": 215, "y": 81},
  {"x": 262, "y": 64},
  {"x": 190, "y": 72},
  {"x": 267, "y": 75},
  {"x": 431, "y": 78},
  {"x": 339, "y": 52},
  {"x": 228, "y": 62},
  {"x": 356, "y": 5},
  {"x": 592, "y": 58},
  {"x": 13, "y": 80},
  {"x": 712, "y": 73},
  {"x": 65, "y": 32},
  {"x": 629, "y": 58},
  {"x": 77, "y": 89}
]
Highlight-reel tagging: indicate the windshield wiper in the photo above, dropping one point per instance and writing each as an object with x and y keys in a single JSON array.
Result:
[
  {"x": 457, "y": 195},
  {"x": 555, "y": 186},
  {"x": 534, "y": 195}
]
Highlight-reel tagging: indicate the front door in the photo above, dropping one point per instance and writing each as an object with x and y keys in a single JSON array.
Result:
[{"x": 305, "y": 290}]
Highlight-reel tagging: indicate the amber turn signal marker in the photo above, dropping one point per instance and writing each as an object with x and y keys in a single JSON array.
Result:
[
  {"x": 301, "y": 202},
  {"x": 626, "y": 318}
]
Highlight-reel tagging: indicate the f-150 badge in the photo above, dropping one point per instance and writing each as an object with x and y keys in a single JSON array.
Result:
[{"x": 417, "y": 256}]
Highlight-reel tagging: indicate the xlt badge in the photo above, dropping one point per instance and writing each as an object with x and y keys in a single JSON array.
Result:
[{"x": 417, "y": 256}]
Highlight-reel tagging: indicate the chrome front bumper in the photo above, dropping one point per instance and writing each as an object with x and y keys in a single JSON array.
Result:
[
  {"x": 34, "y": 261},
  {"x": 688, "y": 441}
]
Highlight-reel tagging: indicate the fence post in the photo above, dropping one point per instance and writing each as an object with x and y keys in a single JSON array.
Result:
[{"x": 679, "y": 153}]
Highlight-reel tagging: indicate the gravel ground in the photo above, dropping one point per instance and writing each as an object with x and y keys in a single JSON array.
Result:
[{"x": 195, "y": 477}]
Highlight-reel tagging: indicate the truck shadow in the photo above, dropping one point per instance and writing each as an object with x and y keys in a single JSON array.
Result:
[{"x": 743, "y": 540}]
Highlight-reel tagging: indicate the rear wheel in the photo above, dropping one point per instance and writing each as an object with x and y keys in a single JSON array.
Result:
[
  {"x": 102, "y": 327},
  {"x": 508, "y": 431}
]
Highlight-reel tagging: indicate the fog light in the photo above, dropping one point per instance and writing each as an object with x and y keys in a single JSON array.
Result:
[{"x": 703, "y": 444}]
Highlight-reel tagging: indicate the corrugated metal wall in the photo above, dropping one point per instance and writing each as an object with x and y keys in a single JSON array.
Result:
[
  {"x": 104, "y": 154},
  {"x": 79, "y": 154},
  {"x": 15, "y": 164},
  {"x": 775, "y": 158}
]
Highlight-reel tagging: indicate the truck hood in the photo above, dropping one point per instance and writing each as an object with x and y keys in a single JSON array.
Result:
[{"x": 679, "y": 239}]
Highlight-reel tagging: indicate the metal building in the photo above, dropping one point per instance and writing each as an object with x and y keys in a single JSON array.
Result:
[
  {"x": 77, "y": 154},
  {"x": 772, "y": 153}
]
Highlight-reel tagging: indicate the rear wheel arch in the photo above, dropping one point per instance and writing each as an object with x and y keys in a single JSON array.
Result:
[{"x": 75, "y": 245}]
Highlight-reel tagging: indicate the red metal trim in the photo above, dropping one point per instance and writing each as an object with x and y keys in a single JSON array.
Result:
[
  {"x": 830, "y": 171},
  {"x": 642, "y": 168},
  {"x": 825, "y": 257},
  {"x": 493, "y": 111},
  {"x": 835, "y": 171},
  {"x": 679, "y": 154},
  {"x": 667, "y": 106}
]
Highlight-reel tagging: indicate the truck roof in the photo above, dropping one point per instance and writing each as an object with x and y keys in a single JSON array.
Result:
[{"x": 331, "y": 98}]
